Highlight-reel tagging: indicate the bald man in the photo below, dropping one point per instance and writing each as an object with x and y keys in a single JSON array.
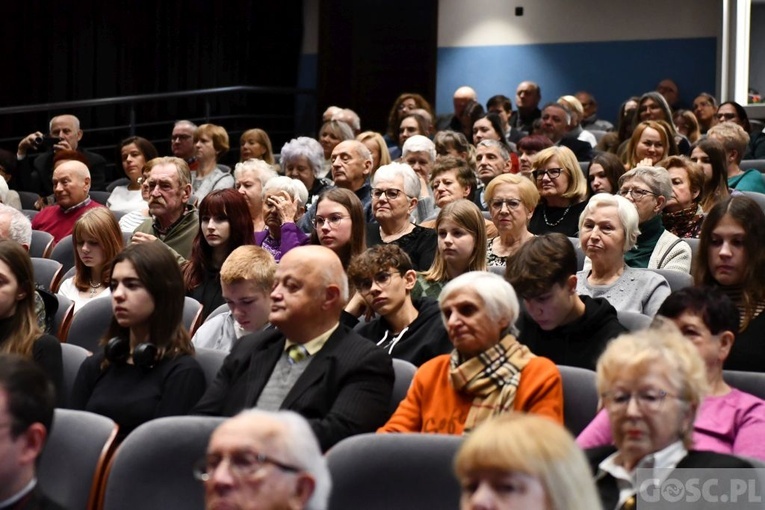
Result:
[
  {"x": 527, "y": 98},
  {"x": 462, "y": 96},
  {"x": 310, "y": 363},
  {"x": 71, "y": 186}
]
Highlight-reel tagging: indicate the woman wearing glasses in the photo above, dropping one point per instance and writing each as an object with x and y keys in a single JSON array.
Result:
[
  {"x": 563, "y": 191},
  {"x": 339, "y": 224},
  {"x": 511, "y": 200},
  {"x": 650, "y": 188},
  {"x": 651, "y": 384},
  {"x": 395, "y": 189},
  {"x": 283, "y": 204}
]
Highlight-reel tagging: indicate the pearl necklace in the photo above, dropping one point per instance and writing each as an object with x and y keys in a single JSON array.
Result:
[
  {"x": 554, "y": 224},
  {"x": 93, "y": 288}
]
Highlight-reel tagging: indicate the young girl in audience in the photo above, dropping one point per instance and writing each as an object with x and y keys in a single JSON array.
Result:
[
  {"x": 339, "y": 224},
  {"x": 146, "y": 369},
  {"x": 604, "y": 172},
  {"x": 97, "y": 239},
  {"x": 134, "y": 153},
  {"x": 224, "y": 225},
  {"x": 710, "y": 155}
]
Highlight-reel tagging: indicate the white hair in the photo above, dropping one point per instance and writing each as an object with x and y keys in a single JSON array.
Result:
[
  {"x": 294, "y": 188},
  {"x": 301, "y": 449},
  {"x": 391, "y": 171},
  {"x": 263, "y": 171},
  {"x": 19, "y": 226},
  {"x": 306, "y": 147},
  {"x": 498, "y": 296},
  {"x": 419, "y": 143},
  {"x": 75, "y": 119},
  {"x": 628, "y": 216}
]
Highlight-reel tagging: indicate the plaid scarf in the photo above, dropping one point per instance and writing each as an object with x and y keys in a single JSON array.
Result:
[{"x": 491, "y": 378}]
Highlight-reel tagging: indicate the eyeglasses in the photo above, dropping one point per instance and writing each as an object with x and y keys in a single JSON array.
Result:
[
  {"x": 390, "y": 193},
  {"x": 647, "y": 401},
  {"x": 382, "y": 279},
  {"x": 511, "y": 203},
  {"x": 331, "y": 221},
  {"x": 180, "y": 137},
  {"x": 242, "y": 464},
  {"x": 552, "y": 173},
  {"x": 637, "y": 194},
  {"x": 701, "y": 105},
  {"x": 725, "y": 116}
]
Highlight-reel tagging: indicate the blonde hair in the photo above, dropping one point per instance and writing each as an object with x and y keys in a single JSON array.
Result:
[
  {"x": 529, "y": 194},
  {"x": 536, "y": 446},
  {"x": 577, "y": 184},
  {"x": 251, "y": 263}
]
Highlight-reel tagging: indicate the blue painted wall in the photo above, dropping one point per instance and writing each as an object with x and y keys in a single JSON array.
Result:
[{"x": 611, "y": 71}]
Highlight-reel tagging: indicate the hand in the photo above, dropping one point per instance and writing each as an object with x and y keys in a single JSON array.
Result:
[
  {"x": 285, "y": 206},
  {"x": 645, "y": 162},
  {"x": 357, "y": 306},
  {"x": 28, "y": 142},
  {"x": 142, "y": 237},
  {"x": 62, "y": 145}
]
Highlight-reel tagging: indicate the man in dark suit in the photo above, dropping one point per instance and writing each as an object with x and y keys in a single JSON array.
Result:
[
  {"x": 311, "y": 364},
  {"x": 556, "y": 119},
  {"x": 27, "y": 399},
  {"x": 35, "y": 173}
]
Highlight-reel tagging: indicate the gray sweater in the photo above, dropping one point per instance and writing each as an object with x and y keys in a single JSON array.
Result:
[{"x": 637, "y": 290}]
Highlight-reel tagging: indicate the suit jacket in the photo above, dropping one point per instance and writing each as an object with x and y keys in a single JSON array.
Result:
[
  {"x": 345, "y": 390},
  {"x": 582, "y": 150},
  {"x": 35, "y": 173},
  {"x": 35, "y": 500},
  {"x": 609, "y": 491}
]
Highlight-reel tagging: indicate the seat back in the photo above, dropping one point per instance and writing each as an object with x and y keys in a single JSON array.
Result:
[
  {"x": 757, "y": 197},
  {"x": 211, "y": 361},
  {"x": 579, "y": 252},
  {"x": 633, "y": 321},
  {"x": 100, "y": 196},
  {"x": 748, "y": 382},
  {"x": 64, "y": 252},
  {"x": 152, "y": 470},
  {"x": 28, "y": 199},
  {"x": 192, "y": 314},
  {"x": 221, "y": 309},
  {"x": 47, "y": 273},
  {"x": 73, "y": 462},
  {"x": 72, "y": 357},
  {"x": 41, "y": 244},
  {"x": 404, "y": 373},
  {"x": 676, "y": 279},
  {"x": 63, "y": 317},
  {"x": 401, "y": 471},
  {"x": 580, "y": 397},
  {"x": 758, "y": 164},
  {"x": 90, "y": 323}
]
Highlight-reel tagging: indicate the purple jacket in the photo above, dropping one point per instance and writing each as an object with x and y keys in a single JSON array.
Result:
[{"x": 292, "y": 236}]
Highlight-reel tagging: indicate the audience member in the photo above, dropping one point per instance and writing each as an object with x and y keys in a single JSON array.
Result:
[
  {"x": 590, "y": 120},
  {"x": 405, "y": 103},
  {"x": 146, "y": 369},
  {"x": 562, "y": 189},
  {"x": 683, "y": 214},
  {"x": 462, "y": 96},
  {"x": 174, "y": 220},
  {"x": 575, "y": 129},
  {"x": 649, "y": 143},
  {"x": 246, "y": 278},
  {"x": 671, "y": 92},
  {"x": 283, "y": 205},
  {"x": 405, "y": 328},
  {"x": 687, "y": 125},
  {"x": 351, "y": 167},
  {"x": 27, "y": 403},
  {"x": 653, "y": 106},
  {"x": 731, "y": 111},
  {"x": 603, "y": 174},
  {"x": 224, "y": 225},
  {"x": 453, "y": 143},
  {"x": 488, "y": 373},
  {"x": 616, "y": 141},
  {"x": 376, "y": 145},
  {"x": 512, "y": 200},
  {"x": 731, "y": 256},
  {"x": 97, "y": 239},
  {"x": 349, "y": 117},
  {"x": 8, "y": 196},
  {"x": 330, "y": 135},
  {"x": 71, "y": 186},
  {"x": 503, "y": 107},
  {"x": 558, "y": 323},
  {"x": 735, "y": 140},
  {"x": 211, "y": 142},
  {"x": 339, "y": 224},
  {"x": 182, "y": 142},
  {"x": 492, "y": 159},
  {"x": 705, "y": 108},
  {"x": 419, "y": 152},
  {"x": 255, "y": 144},
  {"x": 302, "y": 158},
  {"x": 650, "y": 188},
  {"x": 412, "y": 124},
  {"x": 527, "y": 98},
  {"x": 135, "y": 152},
  {"x": 608, "y": 228},
  {"x": 529, "y": 146},
  {"x": 452, "y": 179},
  {"x": 709, "y": 154},
  {"x": 250, "y": 177},
  {"x": 274, "y": 461},
  {"x": 130, "y": 221},
  {"x": 36, "y": 173},
  {"x": 310, "y": 363},
  {"x": 395, "y": 192},
  {"x": 556, "y": 119}
]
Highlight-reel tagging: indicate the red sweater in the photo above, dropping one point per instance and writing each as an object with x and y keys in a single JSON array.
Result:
[
  {"x": 59, "y": 223},
  {"x": 432, "y": 405}
]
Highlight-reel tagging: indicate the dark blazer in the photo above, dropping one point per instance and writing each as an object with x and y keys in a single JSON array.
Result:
[
  {"x": 609, "y": 491},
  {"x": 35, "y": 500},
  {"x": 582, "y": 150},
  {"x": 345, "y": 390},
  {"x": 35, "y": 173}
]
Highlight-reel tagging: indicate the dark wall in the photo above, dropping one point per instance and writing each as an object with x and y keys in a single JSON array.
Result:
[{"x": 371, "y": 51}]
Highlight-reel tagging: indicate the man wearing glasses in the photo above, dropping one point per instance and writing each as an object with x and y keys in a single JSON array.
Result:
[
  {"x": 264, "y": 460},
  {"x": 182, "y": 142}
]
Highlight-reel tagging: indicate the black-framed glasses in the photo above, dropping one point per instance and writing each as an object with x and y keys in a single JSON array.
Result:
[
  {"x": 637, "y": 194},
  {"x": 722, "y": 117},
  {"x": 647, "y": 401},
  {"x": 242, "y": 464},
  {"x": 332, "y": 220},
  {"x": 552, "y": 173},
  {"x": 382, "y": 279},
  {"x": 511, "y": 203},
  {"x": 180, "y": 137},
  {"x": 390, "y": 193}
]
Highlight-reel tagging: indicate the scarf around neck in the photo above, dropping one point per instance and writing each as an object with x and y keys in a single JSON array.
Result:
[
  {"x": 491, "y": 378},
  {"x": 684, "y": 223},
  {"x": 650, "y": 232}
]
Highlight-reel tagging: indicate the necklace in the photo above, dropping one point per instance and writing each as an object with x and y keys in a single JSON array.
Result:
[
  {"x": 94, "y": 287},
  {"x": 556, "y": 223}
]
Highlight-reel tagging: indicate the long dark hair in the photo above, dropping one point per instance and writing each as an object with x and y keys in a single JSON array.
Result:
[
  {"x": 352, "y": 204},
  {"x": 23, "y": 329},
  {"x": 716, "y": 190},
  {"x": 226, "y": 204}
]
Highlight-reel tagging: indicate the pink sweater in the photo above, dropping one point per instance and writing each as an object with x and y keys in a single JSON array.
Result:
[
  {"x": 732, "y": 423},
  {"x": 59, "y": 223}
]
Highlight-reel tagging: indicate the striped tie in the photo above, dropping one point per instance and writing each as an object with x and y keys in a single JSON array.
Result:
[{"x": 297, "y": 353}]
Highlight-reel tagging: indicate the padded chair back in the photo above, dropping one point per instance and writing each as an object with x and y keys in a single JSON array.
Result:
[
  {"x": 578, "y": 250},
  {"x": 63, "y": 318},
  {"x": 90, "y": 323},
  {"x": 403, "y": 374},
  {"x": 758, "y": 164},
  {"x": 401, "y": 471},
  {"x": 633, "y": 321},
  {"x": 41, "y": 245},
  {"x": 580, "y": 397},
  {"x": 499, "y": 270},
  {"x": 47, "y": 273},
  {"x": 748, "y": 382},
  {"x": 72, "y": 357},
  {"x": 152, "y": 470},
  {"x": 221, "y": 309},
  {"x": 72, "y": 464},
  {"x": 757, "y": 197},
  {"x": 30, "y": 213},
  {"x": 68, "y": 274},
  {"x": 694, "y": 244},
  {"x": 100, "y": 196},
  {"x": 122, "y": 181},
  {"x": 64, "y": 252},
  {"x": 211, "y": 361},
  {"x": 28, "y": 199},
  {"x": 676, "y": 279},
  {"x": 192, "y": 314}
]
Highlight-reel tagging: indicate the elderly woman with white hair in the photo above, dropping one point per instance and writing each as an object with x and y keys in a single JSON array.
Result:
[
  {"x": 608, "y": 228},
  {"x": 650, "y": 188},
  {"x": 419, "y": 152},
  {"x": 395, "y": 192},
  {"x": 302, "y": 158},
  {"x": 250, "y": 178},
  {"x": 488, "y": 373},
  {"x": 284, "y": 203}
]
